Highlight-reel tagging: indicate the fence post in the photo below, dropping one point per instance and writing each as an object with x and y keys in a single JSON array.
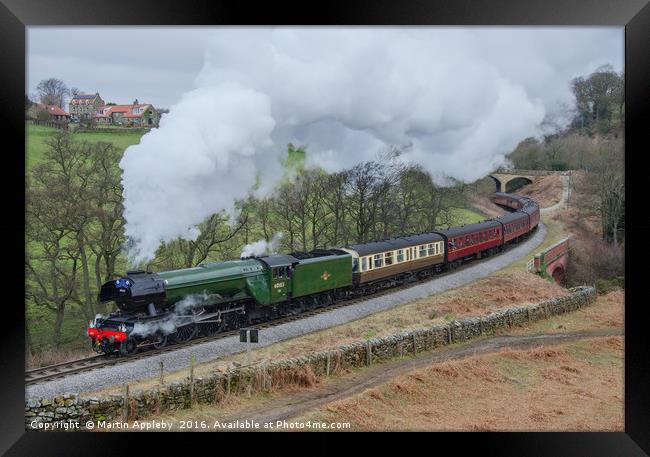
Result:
[
  {"x": 368, "y": 353},
  {"x": 125, "y": 408},
  {"x": 228, "y": 382},
  {"x": 162, "y": 370},
  {"x": 328, "y": 363},
  {"x": 191, "y": 380},
  {"x": 415, "y": 345}
]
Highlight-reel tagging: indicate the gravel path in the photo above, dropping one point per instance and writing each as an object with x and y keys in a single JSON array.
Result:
[
  {"x": 149, "y": 367},
  {"x": 294, "y": 405}
]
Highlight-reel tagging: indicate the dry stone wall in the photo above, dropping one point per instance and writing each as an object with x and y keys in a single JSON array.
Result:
[{"x": 297, "y": 371}]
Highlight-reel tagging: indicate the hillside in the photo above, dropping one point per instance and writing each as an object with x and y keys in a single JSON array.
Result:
[{"x": 37, "y": 135}]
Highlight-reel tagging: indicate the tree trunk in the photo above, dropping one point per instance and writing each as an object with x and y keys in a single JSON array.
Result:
[
  {"x": 58, "y": 323},
  {"x": 29, "y": 347},
  {"x": 88, "y": 307}
]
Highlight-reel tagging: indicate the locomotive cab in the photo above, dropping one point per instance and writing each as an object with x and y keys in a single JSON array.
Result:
[{"x": 280, "y": 268}]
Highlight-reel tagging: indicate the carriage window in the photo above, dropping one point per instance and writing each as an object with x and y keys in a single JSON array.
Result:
[
  {"x": 400, "y": 256},
  {"x": 355, "y": 265},
  {"x": 389, "y": 258},
  {"x": 423, "y": 251},
  {"x": 430, "y": 249},
  {"x": 467, "y": 240},
  {"x": 364, "y": 263},
  {"x": 379, "y": 260}
]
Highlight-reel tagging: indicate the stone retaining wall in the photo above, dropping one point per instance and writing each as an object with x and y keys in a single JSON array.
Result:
[{"x": 296, "y": 371}]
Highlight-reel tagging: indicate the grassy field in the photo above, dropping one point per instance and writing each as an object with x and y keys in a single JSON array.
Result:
[
  {"x": 571, "y": 387},
  {"x": 567, "y": 386},
  {"x": 36, "y": 135},
  {"x": 465, "y": 216},
  {"x": 576, "y": 386}
]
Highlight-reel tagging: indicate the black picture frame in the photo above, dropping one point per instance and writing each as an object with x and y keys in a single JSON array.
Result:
[{"x": 15, "y": 15}]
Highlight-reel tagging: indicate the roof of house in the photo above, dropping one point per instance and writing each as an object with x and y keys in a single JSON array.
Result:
[
  {"x": 126, "y": 110},
  {"x": 84, "y": 96},
  {"x": 53, "y": 110}
]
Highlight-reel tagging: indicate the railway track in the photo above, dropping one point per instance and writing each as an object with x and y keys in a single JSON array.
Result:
[{"x": 64, "y": 369}]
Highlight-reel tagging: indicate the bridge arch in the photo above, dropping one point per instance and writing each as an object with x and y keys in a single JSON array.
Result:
[
  {"x": 559, "y": 275},
  {"x": 516, "y": 183},
  {"x": 509, "y": 180},
  {"x": 497, "y": 182}
]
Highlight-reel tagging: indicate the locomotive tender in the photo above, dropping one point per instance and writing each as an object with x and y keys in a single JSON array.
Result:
[{"x": 156, "y": 308}]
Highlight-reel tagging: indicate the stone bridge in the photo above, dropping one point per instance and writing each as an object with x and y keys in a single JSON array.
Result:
[
  {"x": 553, "y": 261},
  {"x": 507, "y": 179}
]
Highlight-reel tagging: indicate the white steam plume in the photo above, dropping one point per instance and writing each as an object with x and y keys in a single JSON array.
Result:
[
  {"x": 262, "y": 246},
  {"x": 181, "y": 315},
  {"x": 440, "y": 95}
]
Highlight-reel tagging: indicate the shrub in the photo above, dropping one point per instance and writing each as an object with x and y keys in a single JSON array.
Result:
[
  {"x": 607, "y": 285},
  {"x": 593, "y": 261}
]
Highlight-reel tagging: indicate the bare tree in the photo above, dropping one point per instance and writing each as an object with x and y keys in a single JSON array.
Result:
[
  {"x": 106, "y": 235},
  {"x": 53, "y": 257},
  {"x": 605, "y": 184},
  {"x": 283, "y": 208},
  {"x": 363, "y": 189},
  {"x": 214, "y": 231},
  {"x": 334, "y": 201},
  {"x": 52, "y": 91}
]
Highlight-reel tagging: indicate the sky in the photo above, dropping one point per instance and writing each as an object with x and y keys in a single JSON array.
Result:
[
  {"x": 158, "y": 64},
  {"x": 455, "y": 101}
]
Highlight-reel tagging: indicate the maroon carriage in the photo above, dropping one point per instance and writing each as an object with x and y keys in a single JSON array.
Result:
[{"x": 472, "y": 240}]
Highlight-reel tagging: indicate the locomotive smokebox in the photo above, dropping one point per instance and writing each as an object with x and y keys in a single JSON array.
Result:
[{"x": 135, "y": 292}]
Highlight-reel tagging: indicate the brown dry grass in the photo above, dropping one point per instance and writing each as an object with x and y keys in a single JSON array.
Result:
[
  {"x": 573, "y": 216},
  {"x": 547, "y": 190},
  {"x": 548, "y": 381},
  {"x": 608, "y": 312},
  {"x": 484, "y": 205},
  {"x": 577, "y": 386},
  {"x": 55, "y": 356}
]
